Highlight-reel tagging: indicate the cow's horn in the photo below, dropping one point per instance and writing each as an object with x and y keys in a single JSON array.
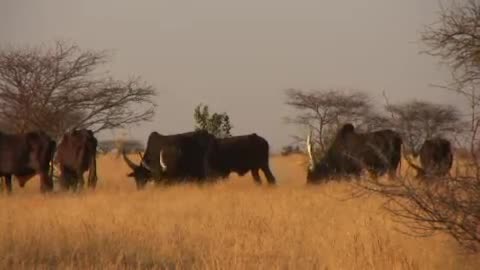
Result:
[
  {"x": 130, "y": 163},
  {"x": 162, "y": 163},
  {"x": 309, "y": 150},
  {"x": 145, "y": 165}
]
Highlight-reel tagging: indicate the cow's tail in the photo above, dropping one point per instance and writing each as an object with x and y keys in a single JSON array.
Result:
[
  {"x": 92, "y": 171},
  {"x": 266, "y": 170}
]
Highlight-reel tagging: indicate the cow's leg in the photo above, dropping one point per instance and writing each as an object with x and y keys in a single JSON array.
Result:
[
  {"x": 158, "y": 181},
  {"x": 74, "y": 182},
  {"x": 374, "y": 174},
  {"x": 269, "y": 175},
  {"x": 256, "y": 176},
  {"x": 46, "y": 183},
  {"x": 92, "y": 174},
  {"x": 80, "y": 181},
  {"x": 8, "y": 183},
  {"x": 392, "y": 173},
  {"x": 65, "y": 179},
  {"x": 92, "y": 181}
]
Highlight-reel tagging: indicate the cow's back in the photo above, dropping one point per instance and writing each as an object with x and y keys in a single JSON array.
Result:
[
  {"x": 194, "y": 147},
  {"x": 183, "y": 153},
  {"x": 76, "y": 149},
  {"x": 378, "y": 150},
  {"x": 42, "y": 149},
  {"x": 14, "y": 152},
  {"x": 383, "y": 150},
  {"x": 241, "y": 153},
  {"x": 388, "y": 144},
  {"x": 21, "y": 154}
]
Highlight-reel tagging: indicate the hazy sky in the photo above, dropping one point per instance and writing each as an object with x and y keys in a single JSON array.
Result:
[{"x": 240, "y": 56}]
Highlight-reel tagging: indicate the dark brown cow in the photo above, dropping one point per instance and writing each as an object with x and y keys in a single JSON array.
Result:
[
  {"x": 172, "y": 158},
  {"x": 379, "y": 152},
  {"x": 75, "y": 155},
  {"x": 436, "y": 158},
  {"x": 25, "y": 155},
  {"x": 240, "y": 154}
]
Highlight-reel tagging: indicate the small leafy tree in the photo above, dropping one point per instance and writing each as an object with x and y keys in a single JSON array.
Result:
[
  {"x": 290, "y": 149},
  {"x": 217, "y": 124}
]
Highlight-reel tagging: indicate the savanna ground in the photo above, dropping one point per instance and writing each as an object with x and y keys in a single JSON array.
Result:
[{"x": 230, "y": 225}]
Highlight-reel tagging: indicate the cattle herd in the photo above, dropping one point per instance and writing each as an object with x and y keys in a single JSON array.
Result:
[{"x": 198, "y": 156}]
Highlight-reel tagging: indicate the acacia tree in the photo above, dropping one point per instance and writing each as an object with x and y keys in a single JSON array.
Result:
[
  {"x": 420, "y": 120},
  {"x": 217, "y": 124},
  {"x": 60, "y": 88},
  {"x": 323, "y": 111}
]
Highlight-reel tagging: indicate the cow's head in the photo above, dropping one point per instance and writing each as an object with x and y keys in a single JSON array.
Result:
[
  {"x": 315, "y": 171},
  {"x": 320, "y": 170},
  {"x": 141, "y": 173}
]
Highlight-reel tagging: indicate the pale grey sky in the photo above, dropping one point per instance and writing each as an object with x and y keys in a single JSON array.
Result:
[{"x": 239, "y": 56}]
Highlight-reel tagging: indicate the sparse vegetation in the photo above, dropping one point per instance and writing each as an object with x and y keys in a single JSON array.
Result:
[
  {"x": 451, "y": 204},
  {"x": 290, "y": 149},
  {"x": 229, "y": 225},
  {"x": 235, "y": 224}
]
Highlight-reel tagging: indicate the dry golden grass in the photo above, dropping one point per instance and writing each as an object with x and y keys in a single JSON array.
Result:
[{"x": 229, "y": 225}]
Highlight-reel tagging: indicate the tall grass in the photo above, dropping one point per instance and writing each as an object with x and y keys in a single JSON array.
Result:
[{"x": 230, "y": 225}]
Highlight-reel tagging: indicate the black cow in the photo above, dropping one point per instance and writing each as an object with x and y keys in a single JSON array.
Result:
[
  {"x": 379, "y": 152},
  {"x": 436, "y": 158},
  {"x": 24, "y": 155},
  {"x": 179, "y": 157},
  {"x": 240, "y": 154},
  {"x": 76, "y": 154}
]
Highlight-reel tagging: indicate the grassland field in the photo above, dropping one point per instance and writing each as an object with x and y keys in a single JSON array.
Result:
[{"x": 234, "y": 224}]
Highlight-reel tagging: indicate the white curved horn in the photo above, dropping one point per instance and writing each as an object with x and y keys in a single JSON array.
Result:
[
  {"x": 309, "y": 150},
  {"x": 162, "y": 163},
  {"x": 145, "y": 165}
]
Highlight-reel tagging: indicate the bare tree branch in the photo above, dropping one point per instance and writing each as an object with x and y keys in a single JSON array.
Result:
[
  {"x": 323, "y": 111},
  {"x": 60, "y": 88}
]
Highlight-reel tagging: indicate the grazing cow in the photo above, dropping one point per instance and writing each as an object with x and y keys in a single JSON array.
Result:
[
  {"x": 379, "y": 152},
  {"x": 76, "y": 154},
  {"x": 24, "y": 155},
  {"x": 179, "y": 157},
  {"x": 240, "y": 154},
  {"x": 436, "y": 158}
]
